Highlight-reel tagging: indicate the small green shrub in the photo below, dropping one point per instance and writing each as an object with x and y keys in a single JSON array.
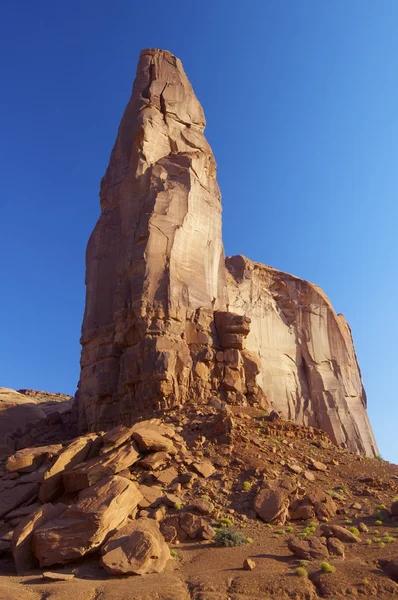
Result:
[
  {"x": 313, "y": 525},
  {"x": 301, "y": 572},
  {"x": 177, "y": 505},
  {"x": 249, "y": 540},
  {"x": 382, "y": 506},
  {"x": 175, "y": 554},
  {"x": 348, "y": 521},
  {"x": 395, "y": 499},
  {"x": 378, "y": 457},
  {"x": 368, "y": 542},
  {"x": 229, "y": 537},
  {"x": 327, "y": 568},
  {"x": 226, "y": 522},
  {"x": 341, "y": 487},
  {"x": 378, "y": 522},
  {"x": 289, "y": 529},
  {"x": 382, "y": 545},
  {"x": 247, "y": 486},
  {"x": 355, "y": 531},
  {"x": 303, "y": 563}
]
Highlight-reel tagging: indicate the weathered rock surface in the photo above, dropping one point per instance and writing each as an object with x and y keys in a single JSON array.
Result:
[
  {"x": 30, "y": 459},
  {"x": 23, "y": 535},
  {"x": 84, "y": 475},
  {"x": 75, "y": 453},
  {"x": 271, "y": 505},
  {"x": 137, "y": 549},
  {"x": 311, "y": 549},
  {"x": 168, "y": 321},
  {"x": 16, "y": 412},
  {"x": 100, "y": 510},
  {"x": 155, "y": 256},
  {"x": 308, "y": 367},
  {"x": 341, "y": 533}
]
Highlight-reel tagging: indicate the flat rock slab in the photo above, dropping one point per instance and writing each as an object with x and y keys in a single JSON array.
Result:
[
  {"x": 148, "y": 439},
  {"x": 204, "y": 468},
  {"x": 55, "y": 576}
]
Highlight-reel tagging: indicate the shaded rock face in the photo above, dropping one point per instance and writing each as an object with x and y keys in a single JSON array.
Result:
[{"x": 167, "y": 320}]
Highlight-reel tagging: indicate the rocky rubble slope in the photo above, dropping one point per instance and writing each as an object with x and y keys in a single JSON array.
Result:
[{"x": 161, "y": 497}]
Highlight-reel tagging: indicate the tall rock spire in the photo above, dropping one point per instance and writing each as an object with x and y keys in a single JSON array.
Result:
[
  {"x": 156, "y": 253},
  {"x": 166, "y": 319}
]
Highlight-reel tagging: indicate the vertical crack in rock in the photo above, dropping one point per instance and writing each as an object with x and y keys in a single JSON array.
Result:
[{"x": 168, "y": 320}]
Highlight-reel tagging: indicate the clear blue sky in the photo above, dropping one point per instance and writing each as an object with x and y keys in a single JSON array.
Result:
[{"x": 301, "y": 100}]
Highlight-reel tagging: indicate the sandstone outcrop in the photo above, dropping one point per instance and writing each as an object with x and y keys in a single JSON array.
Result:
[
  {"x": 16, "y": 412},
  {"x": 308, "y": 367},
  {"x": 168, "y": 320}
]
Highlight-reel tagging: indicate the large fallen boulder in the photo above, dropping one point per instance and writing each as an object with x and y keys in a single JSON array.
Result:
[
  {"x": 75, "y": 453},
  {"x": 136, "y": 549},
  {"x": 23, "y": 534},
  {"x": 30, "y": 459},
  {"x": 150, "y": 439},
  {"x": 341, "y": 533},
  {"x": 271, "y": 505},
  {"x": 311, "y": 549},
  {"x": 100, "y": 510},
  {"x": 86, "y": 474}
]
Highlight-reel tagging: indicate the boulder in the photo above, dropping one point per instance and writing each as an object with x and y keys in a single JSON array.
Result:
[
  {"x": 153, "y": 462},
  {"x": 152, "y": 496},
  {"x": 302, "y": 508},
  {"x": 23, "y": 535},
  {"x": 137, "y": 549},
  {"x": 271, "y": 505},
  {"x": 100, "y": 510},
  {"x": 14, "y": 493},
  {"x": 204, "y": 468},
  {"x": 336, "y": 547},
  {"x": 205, "y": 507},
  {"x": 390, "y": 568},
  {"x": 311, "y": 549},
  {"x": 115, "y": 437},
  {"x": 148, "y": 439},
  {"x": 191, "y": 524},
  {"x": 341, "y": 533},
  {"x": 88, "y": 473},
  {"x": 394, "y": 509},
  {"x": 249, "y": 564},
  {"x": 30, "y": 459},
  {"x": 316, "y": 464},
  {"x": 74, "y": 453}
]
